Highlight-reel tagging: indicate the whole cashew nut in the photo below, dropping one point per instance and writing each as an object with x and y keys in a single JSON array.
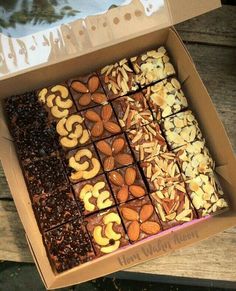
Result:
[
  {"x": 111, "y": 217},
  {"x": 97, "y": 234},
  {"x": 73, "y": 119},
  {"x": 42, "y": 95},
  {"x": 77, "y": 166},
  {"x": 85, "y": 189},
  {"x": 112, "y": 248},
  {"x": 83, "y": 153},
  {"x": 62, "y": 89},
  {"x": 110, "y": 233},
  {"x": 63, "y": 104},
  {"x": 68, "y": 143},
  {"x": 87, "y": 205},
  {"x": 97, "y": 187},
  {"x": 60, "y": 128},
  {"x": 50, "y": 99},
  {"x": 103, "y": 200},
  {"x": 85, "y": 137},
  {"x": 94, "y": 171},
  {"x": 59, "y": 113}
]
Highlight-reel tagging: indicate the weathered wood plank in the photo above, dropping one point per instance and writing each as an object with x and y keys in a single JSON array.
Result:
[
  {"x": 13, "y": 245},
  {"x": 215, "y": 265},
  {"x": 217, "y": 68},
  {"x": 217, "y": 27}
]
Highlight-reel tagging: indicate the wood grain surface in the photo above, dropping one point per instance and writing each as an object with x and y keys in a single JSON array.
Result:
[{"x": 211, "y": 40}]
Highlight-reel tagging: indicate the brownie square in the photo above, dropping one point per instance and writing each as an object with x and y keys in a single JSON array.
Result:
[
  {"x": 101, "y": 122},
  {"x": 114, "y": 152},
  {"x": 180, "y": 129},
  {"x": 165, "y": 98},
  {"x": 118, "y": 79},
  {"x": 24, "y": 111},
  {"x": 87, "y": 91},
  {"x": 93, "y": 195},
  {"x": 194, "y": 159},
  {"x": 206, "y": 195},
  {"x": 173, "y": 206},
  {"x": 83, "y": 164},
  {"x": 57, "y": 101},
  {"x": 72, "y": 132},
  {"x": 55, "y": 209},
  {"x": 161, "y": 171},
  {"x": 152, "y": 66},
  {"x": 37, "y": 142},
  {"x": 107, "y": 232},
  {"x": 147, "y": 141},
  {"x": 68, "y": 246},
  {"x": 45, "y": 176},
  {"x": 140, "y": 218},
  {"x": 127, "y": 184},
  {"x": 132, "y": 111}
]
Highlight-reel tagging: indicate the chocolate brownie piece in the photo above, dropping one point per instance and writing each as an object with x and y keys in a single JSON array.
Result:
[
  {"x": 107, "y": 232},
  {"x": 37, "y": 142},
  {"x": 69, "y": 245},
  {"x": 24, "y": 111},
  {"x": 55, "y": 209},
  {"x": 45, "y": 176}
]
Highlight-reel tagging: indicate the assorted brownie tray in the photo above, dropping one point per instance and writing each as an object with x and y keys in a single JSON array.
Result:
[{"x": 112, "y": 158}]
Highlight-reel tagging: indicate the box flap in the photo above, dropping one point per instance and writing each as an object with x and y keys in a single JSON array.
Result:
[
  {"x": 130, "y": 19},
  {"x": 182, "y": 10}
]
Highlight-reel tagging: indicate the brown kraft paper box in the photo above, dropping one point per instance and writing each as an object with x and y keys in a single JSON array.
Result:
[{"x": 202, "y": 107}]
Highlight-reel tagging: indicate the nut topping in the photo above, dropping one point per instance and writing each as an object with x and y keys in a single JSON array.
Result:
[
  {"x": 118, "y": 79},
  {"x": 72, "y": 131},
  {"x": 173, "y": 205},
  {"x": 152, "y": 66},
  {"x": 84, "y": 164},
  {"x": 58, "y": 100},
  {"x": 139, "y": 218},
  {"x": 206, "y": 194},
  {"x": 115, "y": 155},
  {"x": 101, "y": 123},
  {"x": 128, "y": 185},
  {"x": 147, "y": 141},
  {"x": 87, "y": 91}
]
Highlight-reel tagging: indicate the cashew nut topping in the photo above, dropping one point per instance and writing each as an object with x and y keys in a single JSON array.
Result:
[
  {"x": 87, "y": 205},
  {"x": 60, "y": 128},
  {"x": 83, "y": 153},
  {"x": 84, "y": 137},
  {"x": 70, "y": 128},
  {"x": 77, "y": 132},
  {"x": 110, "y": 233},
  {"x": 68, "y": 143},
  {"x": 103, "y": 200},
  {"x": 59, "y": 113},
  {"x": 97, "y": 187},
  {"x": 111, "y": 217},
  {"x": 50, "y": 99},
  {"x": 63, "y": 104},
  {"x": 94, "y": 171},
  {"x": 62, "y": 89},
  {"x": 97, "y": 234},
  {"x": 76, "y": 176},
  {"x": 42, "y": 95},
  {"x": 85, "y": 189},
  {"x": 111, "y": 248},
  {"x": 77, "y": 166},
  {"x": 72, "y": 120},
  {"x": 81, "y": 168}
]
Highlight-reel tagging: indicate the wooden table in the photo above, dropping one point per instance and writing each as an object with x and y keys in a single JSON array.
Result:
[{"x": 211, "y": 40}]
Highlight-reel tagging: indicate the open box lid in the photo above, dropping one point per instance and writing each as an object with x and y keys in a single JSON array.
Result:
[{"x": 79, "y": 37}]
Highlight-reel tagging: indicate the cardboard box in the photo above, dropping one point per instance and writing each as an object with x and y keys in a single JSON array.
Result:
[{"x": 201, "y": 105}]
